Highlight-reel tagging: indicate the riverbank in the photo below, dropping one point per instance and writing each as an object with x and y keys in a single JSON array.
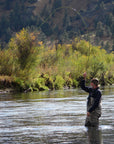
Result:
[
  {"x": 29, "y": 65},
  {"x": 42, "y": 83}
]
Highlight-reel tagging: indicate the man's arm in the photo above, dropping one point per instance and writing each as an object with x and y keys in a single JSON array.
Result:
[
  {"x": 96, "y": 103},
  {"x": 85, "y": 88}
]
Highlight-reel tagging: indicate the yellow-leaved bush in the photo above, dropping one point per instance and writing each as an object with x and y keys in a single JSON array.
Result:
[{"x": 27, "y": 61}]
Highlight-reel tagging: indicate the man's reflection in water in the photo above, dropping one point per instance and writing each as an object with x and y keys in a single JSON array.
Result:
[{"x": 94, "y": 135}]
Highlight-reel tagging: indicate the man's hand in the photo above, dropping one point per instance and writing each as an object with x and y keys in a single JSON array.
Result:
[
  {"x": 88, "y": 114},
  {"x": 85, "y": 74}
]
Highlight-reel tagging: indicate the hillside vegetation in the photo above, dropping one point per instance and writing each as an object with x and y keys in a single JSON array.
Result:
[
  {"x": 48, "y": 44},
  {"x": 60, "y": 20}
]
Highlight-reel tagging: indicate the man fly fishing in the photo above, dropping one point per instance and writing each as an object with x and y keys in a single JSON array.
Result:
[{"x": 93, "y": 102}]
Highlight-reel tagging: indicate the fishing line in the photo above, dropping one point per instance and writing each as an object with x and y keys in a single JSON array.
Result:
[
  {"x": 52, "y": 13},
  {"x": 77, "y": 12}
]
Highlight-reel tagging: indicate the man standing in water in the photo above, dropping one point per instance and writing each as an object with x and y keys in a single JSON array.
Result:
[{"x": 93, "y": 102}]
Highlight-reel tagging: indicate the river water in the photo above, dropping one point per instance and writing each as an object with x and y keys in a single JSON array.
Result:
[{"x": 54, "y": 117}]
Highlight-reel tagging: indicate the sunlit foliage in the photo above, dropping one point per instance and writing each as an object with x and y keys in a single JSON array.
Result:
[{"x": 33, "y": 65}]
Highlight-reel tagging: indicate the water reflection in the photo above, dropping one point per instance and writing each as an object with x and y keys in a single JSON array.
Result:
[{"x": 94, "y": 135}]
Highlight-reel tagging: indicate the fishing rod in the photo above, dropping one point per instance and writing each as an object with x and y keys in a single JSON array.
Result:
[
  {"x": 77, "y": 12},
  {"x": 64, "y": 7}
]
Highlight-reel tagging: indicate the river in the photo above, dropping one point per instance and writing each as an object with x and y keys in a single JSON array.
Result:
[{"x": 54, "y": 117}]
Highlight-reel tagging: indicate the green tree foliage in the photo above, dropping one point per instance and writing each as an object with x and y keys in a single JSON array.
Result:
[
  {"x": 59, "y": 82},
  {"x": 6, "y": 62},
  {"x": 25, "y": 50},
  {"x": 38, "y": 67}
]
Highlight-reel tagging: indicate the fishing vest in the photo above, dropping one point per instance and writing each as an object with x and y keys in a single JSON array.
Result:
[{"x": 90, "y": 102}]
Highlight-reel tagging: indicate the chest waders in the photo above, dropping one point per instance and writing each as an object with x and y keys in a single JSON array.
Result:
[{"x": 93, "y": 119}]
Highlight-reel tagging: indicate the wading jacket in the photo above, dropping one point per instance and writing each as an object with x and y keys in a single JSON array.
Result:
[{"x": 94, "y": 98}]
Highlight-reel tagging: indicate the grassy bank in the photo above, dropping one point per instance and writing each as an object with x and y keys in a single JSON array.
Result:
[{"x": 27, "y": 64}]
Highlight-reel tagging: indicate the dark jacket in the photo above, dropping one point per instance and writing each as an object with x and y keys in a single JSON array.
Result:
[{"x": 94, "y": 98}]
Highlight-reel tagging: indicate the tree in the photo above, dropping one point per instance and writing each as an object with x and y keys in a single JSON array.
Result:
[
  {"x": 113, "y": 46},
  {"x": 100, "y": 30},
  {"x": 107, "y": 46},
  {"x": 16, "y": 22},
  {"x": 24, "y": 47},
  {"x": 20, "y": 17},
  {"x": 45, "y": 11},
  {"x": 109, "y": 19},
  {"x": 66, "y": 20},
  {"x": 108, "y": 32},
  {"x": 46, "y": 29},
  {"x": 102, "y": 44}
]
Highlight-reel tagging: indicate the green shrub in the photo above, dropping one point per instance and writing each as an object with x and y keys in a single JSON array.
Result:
[
  {"x": 25, "y": 51},
  {"x": 35, "y": 89},
  {"x": 75, "y": 83},
  {"x": 50, "y": 83},
  {"x": 19, "y": 84},
  {"x": 69, "y": 82},
  {"x": 6, "y": 62},
  {"x": 40, "y": 84},
  {"x": 59, "y": 82}
]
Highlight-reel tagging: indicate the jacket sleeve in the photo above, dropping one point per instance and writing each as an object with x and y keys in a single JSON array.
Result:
[
  {"x": 85, "y": 88},
  {"x": 96, "y": 103}
]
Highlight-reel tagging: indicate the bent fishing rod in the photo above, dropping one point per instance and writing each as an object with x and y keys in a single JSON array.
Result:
[{"x": 77, "y": 12}]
